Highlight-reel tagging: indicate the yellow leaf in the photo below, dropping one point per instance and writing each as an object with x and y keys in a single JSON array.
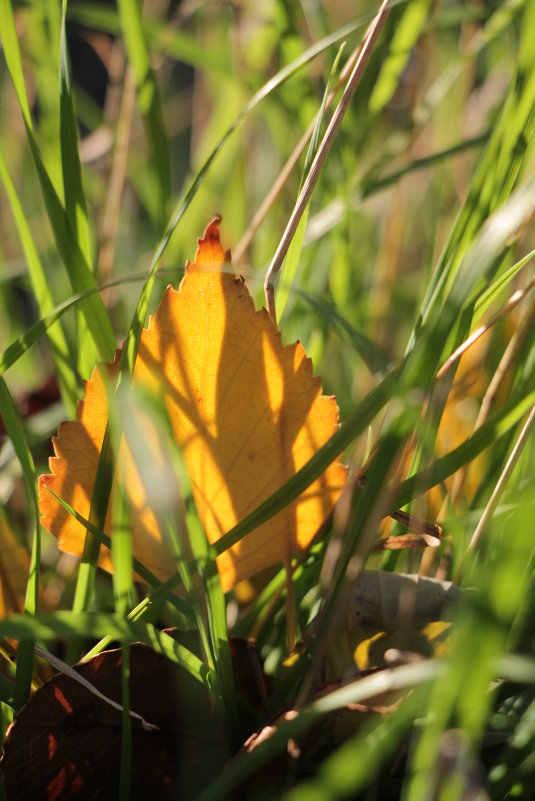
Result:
[{"x": 246, "y": 411}]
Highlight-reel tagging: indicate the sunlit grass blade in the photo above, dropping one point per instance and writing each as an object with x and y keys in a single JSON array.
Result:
[
  {"x": 474, "y": 272},
  {"x": 148, "y": 99},
  {"x": 143, "y": 571},
  {"x": 407, "y": 32},
  {"x": 15, "y": 432},
  {"x": 291, "y": 263},
  {"x": 489, "y": 296}
]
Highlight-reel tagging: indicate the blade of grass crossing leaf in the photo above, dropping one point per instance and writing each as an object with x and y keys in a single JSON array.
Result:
[
  {"x": 148, "y": 98},
  {"x": 16, "y": 434},
  {"x": 162, "y": 590},
  {"x": 68, "y": 247},
  {"x": 406, "y": 35},
  {"x": 97, "y": 512},
  {"x": 74, "y": 198},
  {"x": 217, "y": 618},
  {"x": 289, "y": 269},
  {"x": 121, "y": 550},
  {"x": 58, "y": 342},
  {"x": 171, "y": 516},
  {"x": 356, "y": 422}
]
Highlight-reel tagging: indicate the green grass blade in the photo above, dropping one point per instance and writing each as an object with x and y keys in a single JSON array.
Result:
[
  {"x": 65, "y": 625},
  {"x": 13, "y": 58},
  {"x": 16, "y": 434},
  {"x": 161, "y": 38},
  {"x": 217, "y": 619},
  {"x": 125, "y": 771},
  {"x": 370, "y": 353},
  {"x": 148, "y": 99},
  {"x": 408, "y": 31},
  {"x": 74, "y": 197},
  {"x": 487, "y": 435},
  {"x": 475, "y": 271},
  {"x": 58, "y": 342},
  {"x": 492, "y": 293},
  {"x": 142, "y": 571},
  {"x": 291, "y": 262},
  {"x": 22, "y": 344},
  {"x": 484, "y": 631},
  {"x": 68, "y": 247},
  {"x": 495, "y": 175},
  {"x": 75, "y": 206}
]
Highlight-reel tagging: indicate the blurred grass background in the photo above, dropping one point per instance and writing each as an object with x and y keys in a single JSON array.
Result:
[{"x": 152, "y": 102}]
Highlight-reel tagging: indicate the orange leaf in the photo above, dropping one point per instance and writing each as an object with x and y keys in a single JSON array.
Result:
[{"x": 246, "y": 411}]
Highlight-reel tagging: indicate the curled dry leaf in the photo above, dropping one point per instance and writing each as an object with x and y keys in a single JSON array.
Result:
[{"x": 246, "y": 411}]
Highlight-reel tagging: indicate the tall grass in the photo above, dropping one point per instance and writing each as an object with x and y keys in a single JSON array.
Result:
[{"x": 417, "y": 234}]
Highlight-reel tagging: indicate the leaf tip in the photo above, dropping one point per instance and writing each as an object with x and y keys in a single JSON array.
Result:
[{"x": 210, "y": 254}]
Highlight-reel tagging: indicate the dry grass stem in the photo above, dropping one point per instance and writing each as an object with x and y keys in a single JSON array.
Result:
[{"x": 321, "y": 155}]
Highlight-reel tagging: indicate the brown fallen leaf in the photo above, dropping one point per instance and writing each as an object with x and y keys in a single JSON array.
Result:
[
  {"x": 246, "y": 411},
  {"x": 65, "y": 743}
]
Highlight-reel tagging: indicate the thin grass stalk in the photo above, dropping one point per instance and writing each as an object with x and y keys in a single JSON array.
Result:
[{"x": 321, "y": 155}]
